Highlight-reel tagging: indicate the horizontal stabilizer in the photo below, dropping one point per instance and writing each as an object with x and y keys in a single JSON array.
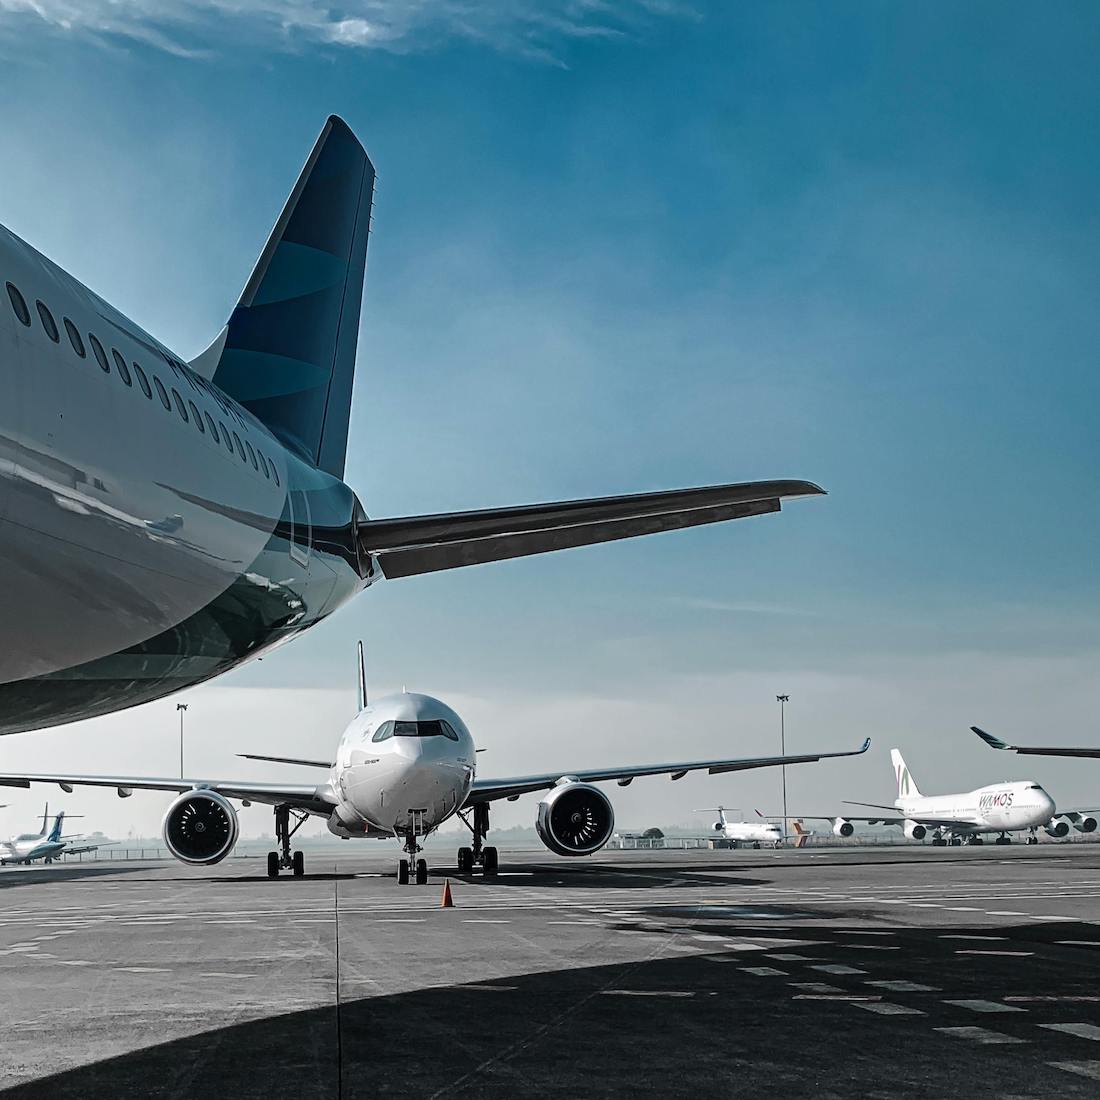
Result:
[{"x": 423, "y": 544}]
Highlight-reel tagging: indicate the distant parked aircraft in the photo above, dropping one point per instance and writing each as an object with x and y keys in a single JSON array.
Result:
[{"x": 31, "y": 846}]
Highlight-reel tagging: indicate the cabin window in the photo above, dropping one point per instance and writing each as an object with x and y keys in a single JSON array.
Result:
[
  {"x": 162, "y": 393},
  {"x": 99, "y": 353},
  {"x": 48, "y": 323},
  {"x": 121, "y": 367},
  {"x": 225, "y": 436},
  {"x": 275, "y": 473},
  {"x": 196, "y": 416},
  {"x": 263, "y": 465},
  {"x": 240, "y": 447},
  {"x": 143, "y": 382},
  {"x": 213, "y": 428},
  {"x": 19, "y": 305},
  {"x": 251, "y": 455},
  {"x": 74, "y": 338},
  {"x": 181, "y": 408}
]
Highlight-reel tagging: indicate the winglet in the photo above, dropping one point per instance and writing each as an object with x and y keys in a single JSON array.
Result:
[
  {"x": 990, "y": 740},
  {"x": 866, "y": 746}
]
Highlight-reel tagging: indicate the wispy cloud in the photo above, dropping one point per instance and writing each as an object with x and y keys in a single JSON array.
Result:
[{"x": 531, "y": 28}]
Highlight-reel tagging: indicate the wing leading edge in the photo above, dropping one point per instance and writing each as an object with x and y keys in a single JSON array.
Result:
[
  {"x": 489, "y": 790},
  {"x": 424, "y": 544}
]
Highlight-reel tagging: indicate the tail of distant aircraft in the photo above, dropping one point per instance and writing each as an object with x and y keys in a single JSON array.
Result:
[
  {"x": 907, "y": 788},
  {"x": 288, "y": 351},
  {"x": 55, "y": 832},
  {"x": 802, "y": 835}
]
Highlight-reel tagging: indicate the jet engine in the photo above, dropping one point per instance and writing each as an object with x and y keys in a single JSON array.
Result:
[
  {"x": 1057, "y": 826},
  {"x": 914, "y": 830},
  {"x": 1085, "y": 824},
  {"x": 841, "y": 827},
  {"x": 200, "y": 827},
  {"x": 575, "y": 819}
]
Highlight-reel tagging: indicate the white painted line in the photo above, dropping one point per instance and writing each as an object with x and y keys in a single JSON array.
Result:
[
  {"x": 644, "y": 993},
  {"x": 978, "y": 1035},
  {"x": 489, "y": 988},
  {"x": 143, "y": 969},
  {"x": 1082, "y": 1069},
  {"x": 837, "y": 968},
  {"x": 1069, "y": 999},
  {"x": 977, "y": 951},
  {"x": 984, "y": 1006},
  {"x": 961, "y": 909},
  {"x": 904, "y": 987},
  {"x": 1071, "y": 920},
  {"x": 478, "y": 920},
  {"x": 1079, "y": 943},
  {"x": 764, "y": 971},
  {"x": 870, "y": 946},
  {"x": 885, "y": 1008},
  {"x": 816, "y": 987},
  {"x": 742, "y": 945},
  {"x": 1004, "y": 913},
  {"x": 1081, "y": 1031},
  {"x": 960, "y": 937},
  {"x": 787, "y": 958},
  {"x": 861, "y": 999},
  {"x": 924, "y": 905}
]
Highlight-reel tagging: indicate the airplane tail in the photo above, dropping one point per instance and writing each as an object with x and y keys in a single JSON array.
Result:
[
  {"x": 55, "y": 832},
  {"x": 803, "y": 835},
  {"x": 907, "y": 787},
  {"x": 288, "y": 351}
]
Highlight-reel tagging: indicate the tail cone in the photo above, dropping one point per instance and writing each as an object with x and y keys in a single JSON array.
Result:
[{"x": 448, "y": 901}]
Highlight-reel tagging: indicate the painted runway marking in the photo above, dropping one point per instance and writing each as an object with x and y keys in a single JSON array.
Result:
[
  {"x": 1079, "y": 943},
  {"x": 984, "y": 1006},
  {"x": 1004, "y": 913},
  {"x": 978, "y": 1035},
  {"x": 644, "y": 993},
  {"x": 785, "y": 958},
  {"x": 1068, "y": 999},
  {"x": 1082, "y": 1069},
  {"x": 816, "y": 987},
  {"x": 961, "y": 937},
  {"x": 764, "y": 971},
  {"x": 885, "y": 1008},
  {"x": 143, "y": 969},
  {"x": 897, "y": 986},
  {"x": 984, "y": 951},
  {"x": 837, "y": 968},
  {"x": 1081, "y": 1031},
  {"x": 481, "y": 920}
]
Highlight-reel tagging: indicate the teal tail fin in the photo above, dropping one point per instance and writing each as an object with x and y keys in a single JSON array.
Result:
[
  {"x": 55, "y": 833},
  {"x": 288, "y": 351}
]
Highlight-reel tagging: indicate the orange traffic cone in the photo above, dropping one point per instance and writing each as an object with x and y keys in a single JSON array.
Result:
[{"x": 448, "y": 901}]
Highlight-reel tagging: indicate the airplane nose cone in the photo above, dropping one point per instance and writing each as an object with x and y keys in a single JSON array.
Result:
[{"x": 1048, "y": 804}]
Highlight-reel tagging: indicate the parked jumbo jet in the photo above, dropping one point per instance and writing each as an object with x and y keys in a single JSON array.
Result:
[
  {"x": 161, "y": 522},
  {"x": 1000, "y": 808},
  {"x": 405, "y": 764}
]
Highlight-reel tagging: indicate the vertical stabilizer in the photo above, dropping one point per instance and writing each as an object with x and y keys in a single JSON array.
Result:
[
  {"x": 907, "y": 787},
  {"x": 45, "y": 816},
  {"x": 362, "y": 679},
  {"x": 55, "y": 833},
  {"x": 288, "y": 351}
]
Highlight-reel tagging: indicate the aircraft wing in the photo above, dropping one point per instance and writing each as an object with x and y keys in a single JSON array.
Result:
[
  {"x": 489, "y": 790},
  {"x": 897, "y": 818},
  {"x": 1033, "y": 750},
  {"x": 303, "y": 796},
  {"x": 411, "y": 545}
]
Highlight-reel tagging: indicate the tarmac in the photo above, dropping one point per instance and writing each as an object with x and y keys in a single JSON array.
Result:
[{"x": 904, "y": 972}]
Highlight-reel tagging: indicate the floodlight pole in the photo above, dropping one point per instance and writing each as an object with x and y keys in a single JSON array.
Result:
[
  {"x": 782, "y": 700},
  {"x": 182, "y": 708}
]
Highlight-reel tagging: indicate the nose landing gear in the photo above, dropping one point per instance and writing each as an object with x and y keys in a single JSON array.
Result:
[
  {"x": 409, "y": 864},
  {"x": 284, "y": 859},
  {"x": 478, "y": 853}
]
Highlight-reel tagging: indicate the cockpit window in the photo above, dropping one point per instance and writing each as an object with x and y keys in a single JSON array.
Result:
[
  {"x": 383, "y": 732},
  {"x": 1035, "y": 787},
  {"x": 433, "y": 728}
]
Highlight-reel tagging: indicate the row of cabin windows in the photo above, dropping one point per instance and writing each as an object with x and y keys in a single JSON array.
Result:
[{"x": 188, "y": 410}]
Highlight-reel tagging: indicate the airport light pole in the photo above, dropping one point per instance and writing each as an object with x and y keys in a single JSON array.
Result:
[
  {"x": 182, "y": 709},
  {"x": 782, "y": 700}
]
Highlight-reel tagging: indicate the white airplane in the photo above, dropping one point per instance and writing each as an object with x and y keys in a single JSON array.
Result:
[
  {"x": 404, "y": 765},
  {"x": 162, "y": 522},
  {"x": 41, "y": 845},
  {"x": 746, "y": 832},
  {"x": 1084, "y": 821},
  {"x": 1000, "y": 808}
]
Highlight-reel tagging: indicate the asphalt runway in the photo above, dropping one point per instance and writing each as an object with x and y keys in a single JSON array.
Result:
[{"x": 851, "y": 973}]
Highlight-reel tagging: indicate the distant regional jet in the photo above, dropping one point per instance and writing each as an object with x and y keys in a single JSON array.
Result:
[
  {"x": 405, "y": 764},
  {"x": 1000, "y": 808},
  {"x": 47, "y": 847},
  {"x": 162, "y": 522},
  {"x": 745, "y": 832}
]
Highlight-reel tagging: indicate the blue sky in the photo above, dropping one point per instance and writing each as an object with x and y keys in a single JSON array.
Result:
[{"x": 629, "y": 246}]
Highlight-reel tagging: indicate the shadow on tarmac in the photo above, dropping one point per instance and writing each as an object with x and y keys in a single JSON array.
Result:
[
  {"x": 681, "y": 1026},
  {"x": 34, "y": 875}
]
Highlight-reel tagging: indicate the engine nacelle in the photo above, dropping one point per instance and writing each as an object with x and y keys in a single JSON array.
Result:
[
  {"x": 914, "y": 830},
  {"x": 842, "y": 827},
  {"x": 1057, "y": 826},
  {"x": 575, "y": 819},
  {"x": 1085, "y": 825},
  {"x": 200, "y": 827}
]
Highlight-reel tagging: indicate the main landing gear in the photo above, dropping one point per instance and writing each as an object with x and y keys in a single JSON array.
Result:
[
  {"x": 1032, "y": 838},
  {"x": 478, "y": 853},
  {"x": 284, "y": 859},
  {"x": 1004, "y": 838},
  {"x": 974, "y": 840}
]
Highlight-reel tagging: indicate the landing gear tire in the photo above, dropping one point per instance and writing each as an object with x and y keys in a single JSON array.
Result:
[
  {"x": 1003, "y": 840},
  {"x": 421, "y": 872},
  {"x": 938, "y": 842},
  {"x": 272, "y": 864},
  {"x": 402, "y": 872},
  {"x": 955, "y": 841},
  {"x": 299, "y": 863},
  {"x": 465, "y": 861},
  {"x": 490, "y": 864},
  {"x": 1033, "y": 840}
]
